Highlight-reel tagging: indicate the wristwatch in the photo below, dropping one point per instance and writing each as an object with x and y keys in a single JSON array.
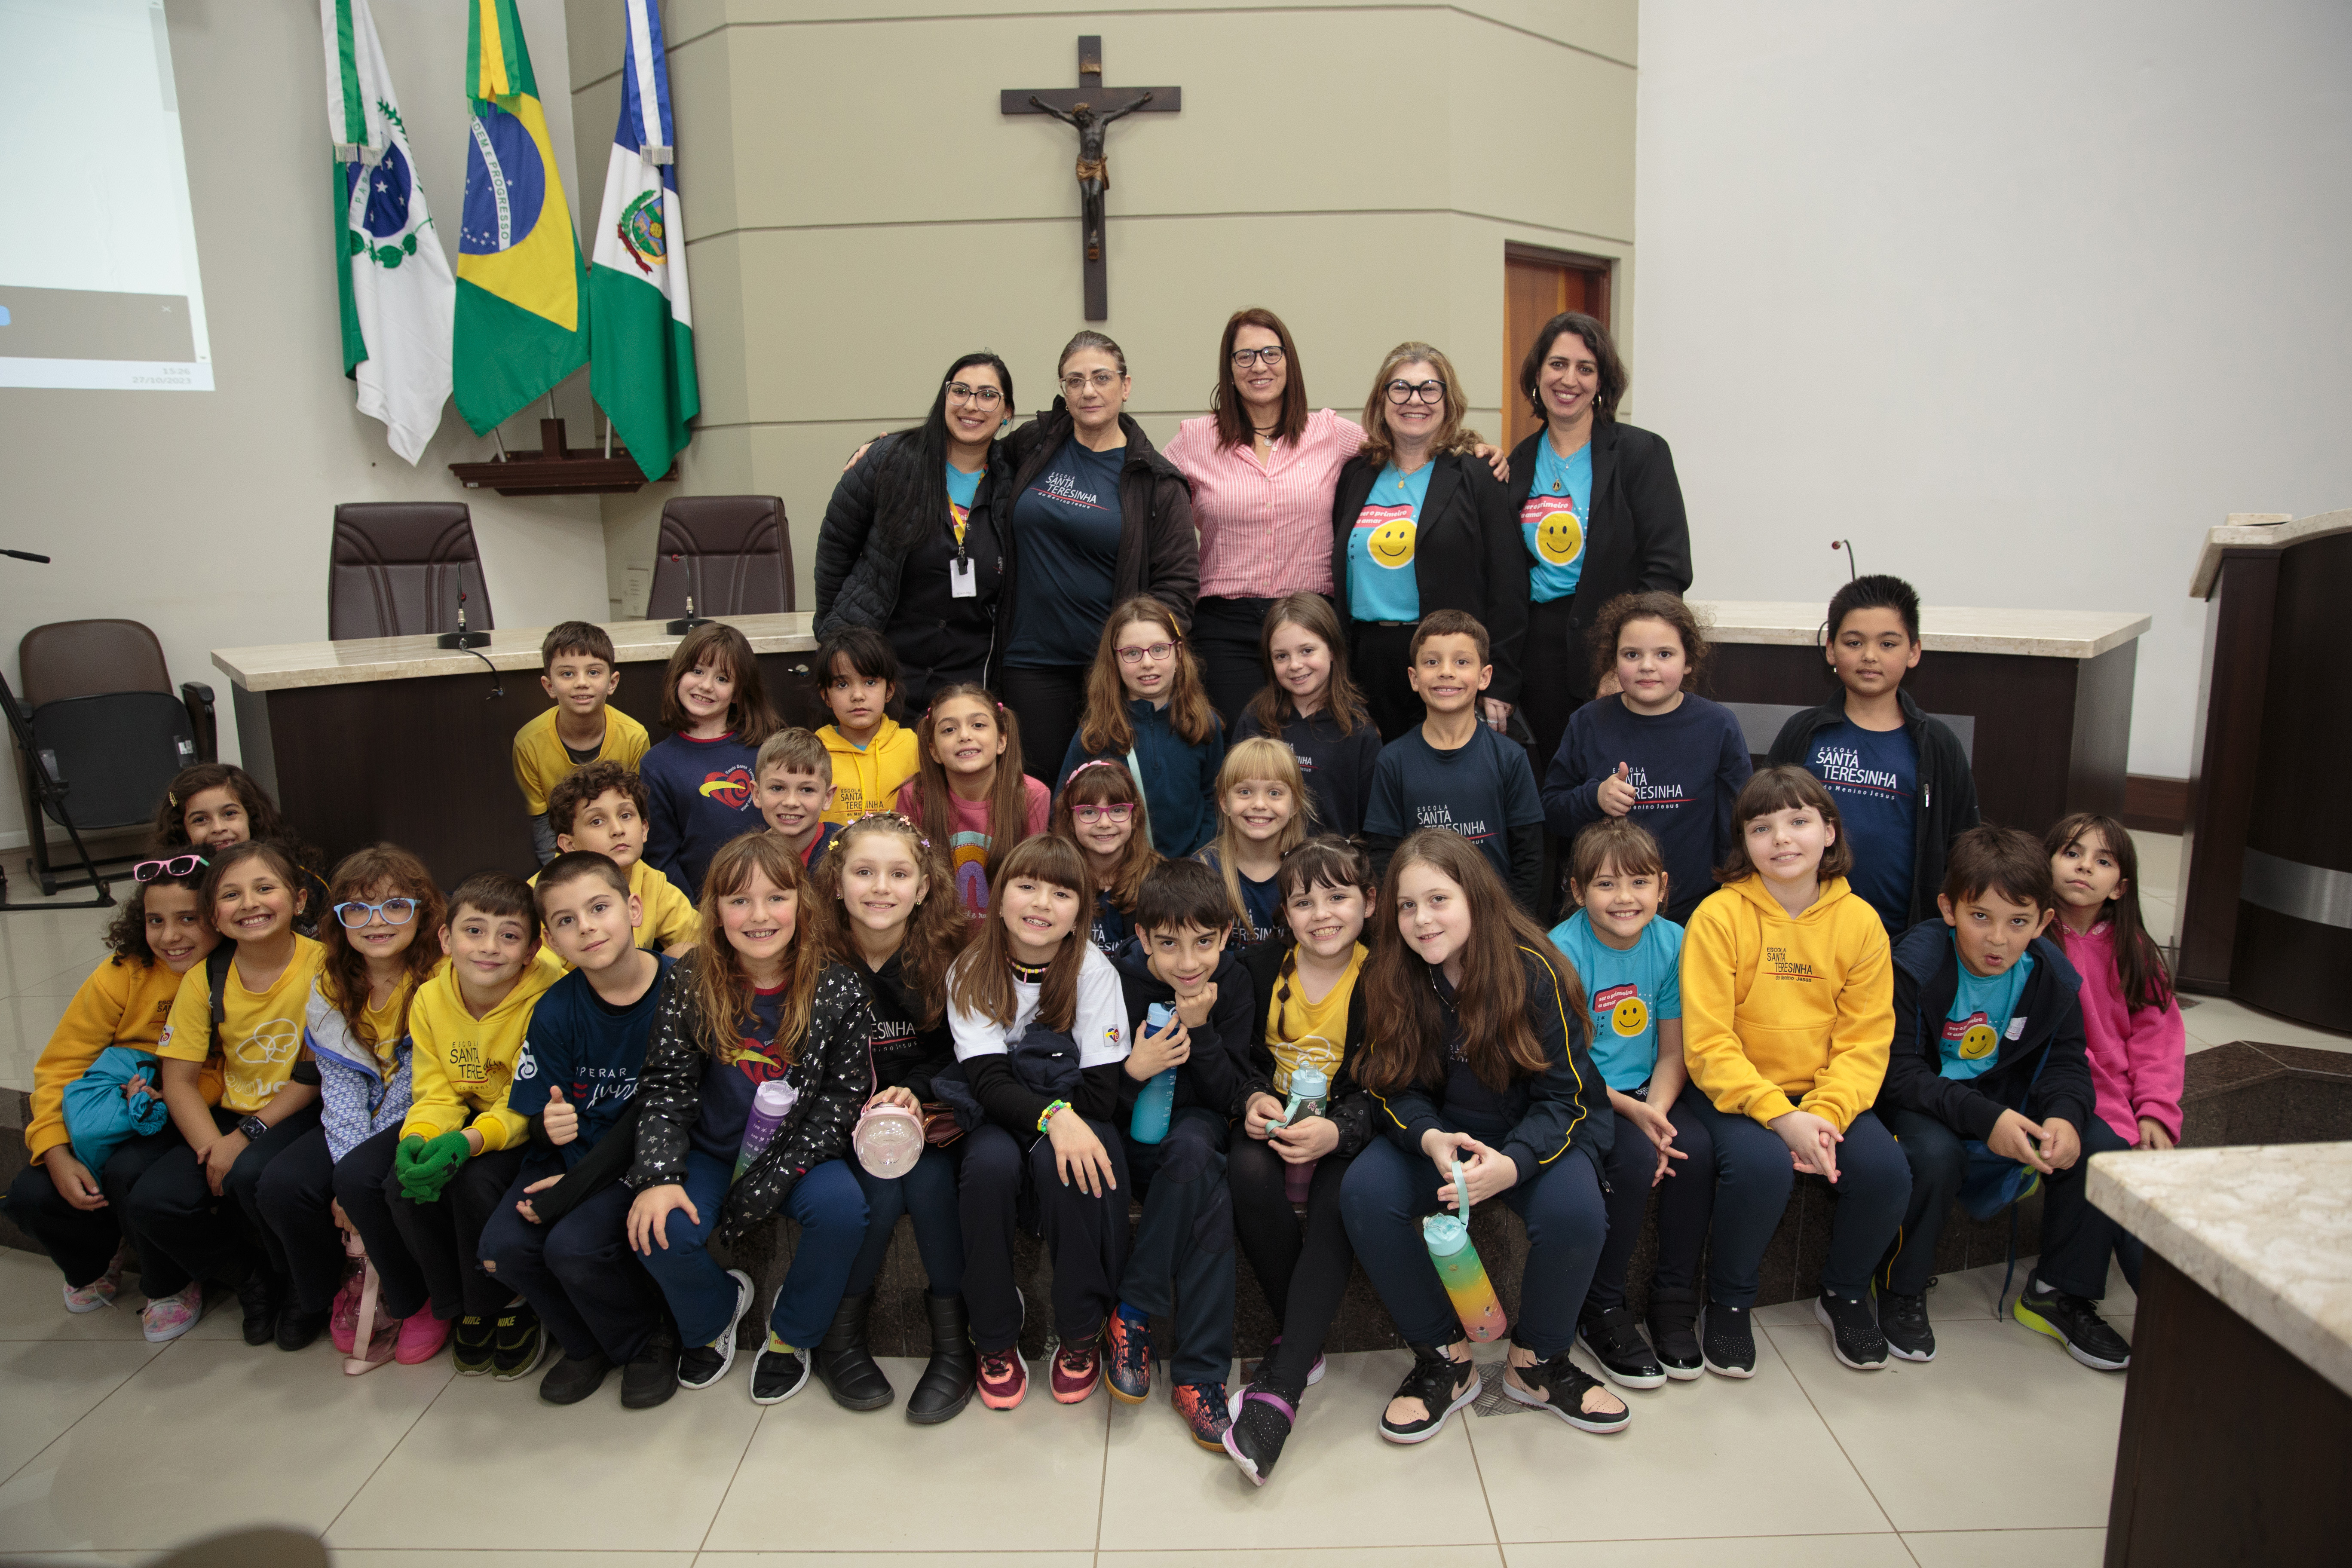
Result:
[{"x": 253, "y": 1127}]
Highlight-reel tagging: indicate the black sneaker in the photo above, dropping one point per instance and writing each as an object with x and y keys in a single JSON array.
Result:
[
  {"x": 1261, "y": 1425},
  {"x": 573, "y": 1378},
  {"x": 1567, "y": 1390},
  {"x": 1854, "y": 1337},
  {"x": 1728, "y": 1344},
  {"x": 1904, "y": 1320},
  {"x": 517, "y": 1342},
  {"x": 699, "y": 1367},
  {"x": 474, "y": 1344},
  {"x": 1436, "y": 1379},
  {"x": 258, "y": 1297},
  {"x": 1674, "y": 1317},
  {"x": 2075, "y": 1322},
  {"x": 651, "y": 1376},
  {"x": 777, "y": 1375},
  {"x": 1614, "y": 1338},
  {"x": 297, "y": 1330}
]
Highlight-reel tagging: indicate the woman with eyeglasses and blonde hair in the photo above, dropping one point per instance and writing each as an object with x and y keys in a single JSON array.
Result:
[
  {"x": 1419, "y": 523},
  {"x": 913, "y": 540},
  {"x": 1098, "y": 516}
]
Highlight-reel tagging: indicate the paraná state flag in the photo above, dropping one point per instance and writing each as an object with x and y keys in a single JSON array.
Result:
[
  {"x": 523, "y": 297},
  {"x": 396, "y": 293},
  {"x": 644, "y": 371}
]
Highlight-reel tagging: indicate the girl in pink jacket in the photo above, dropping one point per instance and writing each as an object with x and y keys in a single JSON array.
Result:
[{"x": 2137, "y": 1045}]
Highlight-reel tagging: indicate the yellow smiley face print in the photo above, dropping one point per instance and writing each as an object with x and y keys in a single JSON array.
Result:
[
  {"x": 1629, "y": 1017},
  {"x": 1978, "y": 1043},
  {"x": 1559, "y": 538},
  {"x": 1391, "y": 542}
]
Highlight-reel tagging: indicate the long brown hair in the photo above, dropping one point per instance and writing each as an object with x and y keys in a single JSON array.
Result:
[
  {"x": 1404, "y": 1025},
  {"x": 1008, "y": 792},
  {"x": 1451, "y": 436},
  {"x": 1259, "y": 757},
  {"x": 1109, "y": 784},
  {"x": 2139, "y": 963},
  {"x": 720, "y": 991},
  {"x": 1653, "y": 605},
  {"x": 1311, "y": 613},
  {"x": 1105, "y": 729},
  {"x": 748, "y": 715},
  {"x": 343, "y": 977},
  {"x": 934, "y": 933},
  {"x": 1226, "y": 402},
  {"x": 980, "y": 982},
  {"x": 1784, "y": 788}
]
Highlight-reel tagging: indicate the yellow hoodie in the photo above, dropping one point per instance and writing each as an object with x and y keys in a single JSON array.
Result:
[
  {"x": 125, "y": 1002},
  {"x": 867, "y": 779},
  {"x": 463, "y": 1063},
  {"x": 1783, "y": 1015}
]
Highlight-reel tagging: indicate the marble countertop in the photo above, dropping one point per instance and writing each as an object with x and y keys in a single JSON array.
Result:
[
  {"x": 1943, "y": 628},
  {"x": 2259, "y": 531},
  {"x": 2267, "y": 1228},
  {"x": 283, "y": 665}
]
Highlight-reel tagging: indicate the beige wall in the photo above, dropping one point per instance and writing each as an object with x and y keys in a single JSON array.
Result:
[{"x": 859, "y": 212}]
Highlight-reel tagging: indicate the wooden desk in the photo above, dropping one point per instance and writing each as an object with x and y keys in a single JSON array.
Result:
[
  {"x": 392, "y": 738},
  {"x": 2042, "y": 698},
  {"x": 2237, "y": 1427}
]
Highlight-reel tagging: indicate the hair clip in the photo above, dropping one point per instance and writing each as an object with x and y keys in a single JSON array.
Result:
[
  {"x": 1082, "y": 767},
  {"x": 881, "y": 819}
]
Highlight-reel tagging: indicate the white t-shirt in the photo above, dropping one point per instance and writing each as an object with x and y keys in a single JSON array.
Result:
[{"x": 1099, "y": 1027}]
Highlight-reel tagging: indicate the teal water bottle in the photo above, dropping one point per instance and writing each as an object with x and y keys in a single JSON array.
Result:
[
  {"x": 1310, "y": 1095},
  {"x": 1157, "y": 1100}
]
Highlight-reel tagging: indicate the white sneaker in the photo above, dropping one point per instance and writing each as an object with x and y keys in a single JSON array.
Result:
[{"x": 169, "y": 1317}]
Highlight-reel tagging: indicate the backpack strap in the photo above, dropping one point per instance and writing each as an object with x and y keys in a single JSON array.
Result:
[{"x": 217, "y": 964}]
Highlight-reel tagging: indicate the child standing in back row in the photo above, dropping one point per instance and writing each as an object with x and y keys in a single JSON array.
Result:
[
  {"x": 582, "y": 726},
  {"x": 1311, "y": 704},
  {"x": 873, "y": 754},
  {"x": 1146, "y": 706},
  {"x": 700, "y": 787}
]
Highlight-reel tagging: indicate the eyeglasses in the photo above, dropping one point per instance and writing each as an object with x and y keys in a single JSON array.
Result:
[
  {"x": 1117, "y": 814},
  {"x": 1158, "y": 652},
  {"x": 395, "y": 912},
  {"x": 177, "y": 866},
  {"x": 986, "y": 397},
  {"x": 1403, "y": 391},
  {"x": 1101, "y": 381},
  {"x": 1271, "y": 356}
]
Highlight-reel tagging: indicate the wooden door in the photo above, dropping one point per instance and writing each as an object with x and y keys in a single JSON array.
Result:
[{"x": 1539, "y": 284}]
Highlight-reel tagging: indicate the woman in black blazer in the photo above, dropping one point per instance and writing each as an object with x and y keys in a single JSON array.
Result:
[
  {"x": 1419, "y": 524},
  {"x": 1597, "y": 510}
]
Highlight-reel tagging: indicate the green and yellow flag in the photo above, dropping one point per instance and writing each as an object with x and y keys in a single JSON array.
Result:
[{"x": 522, "y": 285}]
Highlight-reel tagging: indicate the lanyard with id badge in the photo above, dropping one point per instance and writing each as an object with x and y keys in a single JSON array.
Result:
[{"x": 962, "y": 581}]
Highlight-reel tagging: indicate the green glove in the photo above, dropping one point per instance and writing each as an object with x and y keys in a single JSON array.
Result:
[{"x": 423, "y": 1165}]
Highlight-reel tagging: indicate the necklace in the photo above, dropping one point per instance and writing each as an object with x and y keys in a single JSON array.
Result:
[{"x": 1029, "y": 973}]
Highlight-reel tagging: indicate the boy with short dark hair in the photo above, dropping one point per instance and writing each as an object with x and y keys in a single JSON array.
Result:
[
  {"x": 873, "y": 754},
  {"x": 602, "y": 809},
  {"x": 1181, "y": 1264},
  {"x": 1901, "y": 779},
  {"x": 1454, "y": 771},
  {"x": 580, "y": 677},
  {"x": 794, "y": 780},
  {"x": 560, "y": 1235},
  {"x": 1988, "y": 1085}
]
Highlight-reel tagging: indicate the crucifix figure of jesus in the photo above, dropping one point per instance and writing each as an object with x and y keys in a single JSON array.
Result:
[
  {"x": 1093, "y": 164},
  {"x": 1089, "y": 110}
]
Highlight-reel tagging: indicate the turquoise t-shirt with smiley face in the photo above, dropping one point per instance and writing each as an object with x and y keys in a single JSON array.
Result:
[
  {"x": 1558, "y": 501},
  {"x": 1627, "y": 994},
  {"x": 1983, "y": 1011},
  {"x": 1381, "y": 582}
]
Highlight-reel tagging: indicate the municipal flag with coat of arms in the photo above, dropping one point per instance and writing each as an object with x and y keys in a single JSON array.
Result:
[
  {"x": 522, "y": 299},
  {"x": 396, "y": 293},
  {"x": 643, "y": 375}
]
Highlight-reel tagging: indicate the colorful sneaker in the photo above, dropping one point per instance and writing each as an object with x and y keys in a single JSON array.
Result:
[
  {"x": 520, "y": 1342},
  {"x": 1260, "y": 1425},
  {"x": 1003, "y": 1378},
  {"x": 477, "y": 1344},
  {"x": 1127, "y": 1355},
  {"x": 421, "y": 1338},
  {"x": 1202, "y": 1406},
  {"x": 1077, "y": 1370},
  {"x": 98, "y": 1292},
  {"x": 169, "y": 1317},
  {"x": 1437, "y": 1380},
  {"x": 1904, "y": 1320},
  {"x": 1728, "y": 1341},
  {"x": 2075, "y": 1322},
  {"x": 1854, "y": 1336},
  {"x": 1254, "y": 1369}
]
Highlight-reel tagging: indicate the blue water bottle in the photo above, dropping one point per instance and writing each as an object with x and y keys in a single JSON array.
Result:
[{"x": 1157, "y": 1099}]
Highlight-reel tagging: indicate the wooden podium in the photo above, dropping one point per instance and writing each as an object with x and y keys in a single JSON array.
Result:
[{"x": 2265, "y": 911}]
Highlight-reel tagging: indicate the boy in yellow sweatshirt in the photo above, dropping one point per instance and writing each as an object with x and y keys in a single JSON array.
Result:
[
  {"x": 460, "y": 1148},
  {"x": 583, "y": 726},
  {"x": 872, "y": 753},
  {"x": 1788, "y": 1014},
  {"x": 603, "y": 808}
]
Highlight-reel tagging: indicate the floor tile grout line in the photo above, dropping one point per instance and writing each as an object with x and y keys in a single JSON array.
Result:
[
  {"x": 31, "y": 1459},
  {"x": 734, "y": 1475},
  {"x": 390, "y": 1449},
  {"x": 1494, "y": 1525},
  {"x": 1102, "y": 1488},
  {"x": 1822, "y": 1417}
]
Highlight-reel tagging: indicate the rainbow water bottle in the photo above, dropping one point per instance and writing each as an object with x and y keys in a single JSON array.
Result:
[
  {"x": 771, "y": 1103},
  {"x": 1311, "y": 1093},
  {"x": 1156, "y": 1103},
  {"x": 1464, "y": 1276}
]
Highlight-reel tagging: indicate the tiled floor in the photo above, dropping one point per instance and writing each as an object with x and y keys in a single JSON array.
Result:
[{"x": 2000, "y": 1452}]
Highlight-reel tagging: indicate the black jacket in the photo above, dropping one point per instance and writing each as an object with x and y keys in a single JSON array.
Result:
[
  {"x": 1158, "y": 550},
  {"x": 876, "y": 518},
  {"x": 1948, "y": 790},
  {"x": 1926, "y": 978},
  {"x": 1467, "y": 553},
  {"x": 832, "y": 1069},
  {"x": 1350, "y": 1104},
  {"x": 1636, "y": 537},
  {"x": 1214, "y": 1072},
  {"x": 1564, "y": 1106}
]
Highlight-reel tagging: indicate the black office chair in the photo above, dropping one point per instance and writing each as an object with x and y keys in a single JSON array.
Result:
[
  {"x": 730, "y": 554},
  {"x": 398, "y": 568},
  {"x": 98, "y": 698}
]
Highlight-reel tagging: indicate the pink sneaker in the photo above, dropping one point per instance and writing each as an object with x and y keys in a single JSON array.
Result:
[
  {"x": 421, "y": 1338},
  {"x": 99, "y": 1292},
  {"x": 343, "y": 1317},
  {"x": 169, "y": 1317}
]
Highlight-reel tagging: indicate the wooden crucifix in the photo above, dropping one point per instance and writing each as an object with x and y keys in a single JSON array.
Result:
[{"x": 1090, "y": 109}]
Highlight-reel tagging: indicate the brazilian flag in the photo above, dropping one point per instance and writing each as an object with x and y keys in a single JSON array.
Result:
[{"x": 522, "y": 285}]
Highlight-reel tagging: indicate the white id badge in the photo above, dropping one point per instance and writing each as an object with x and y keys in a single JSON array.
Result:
[{"x": 961, "y": 584}]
